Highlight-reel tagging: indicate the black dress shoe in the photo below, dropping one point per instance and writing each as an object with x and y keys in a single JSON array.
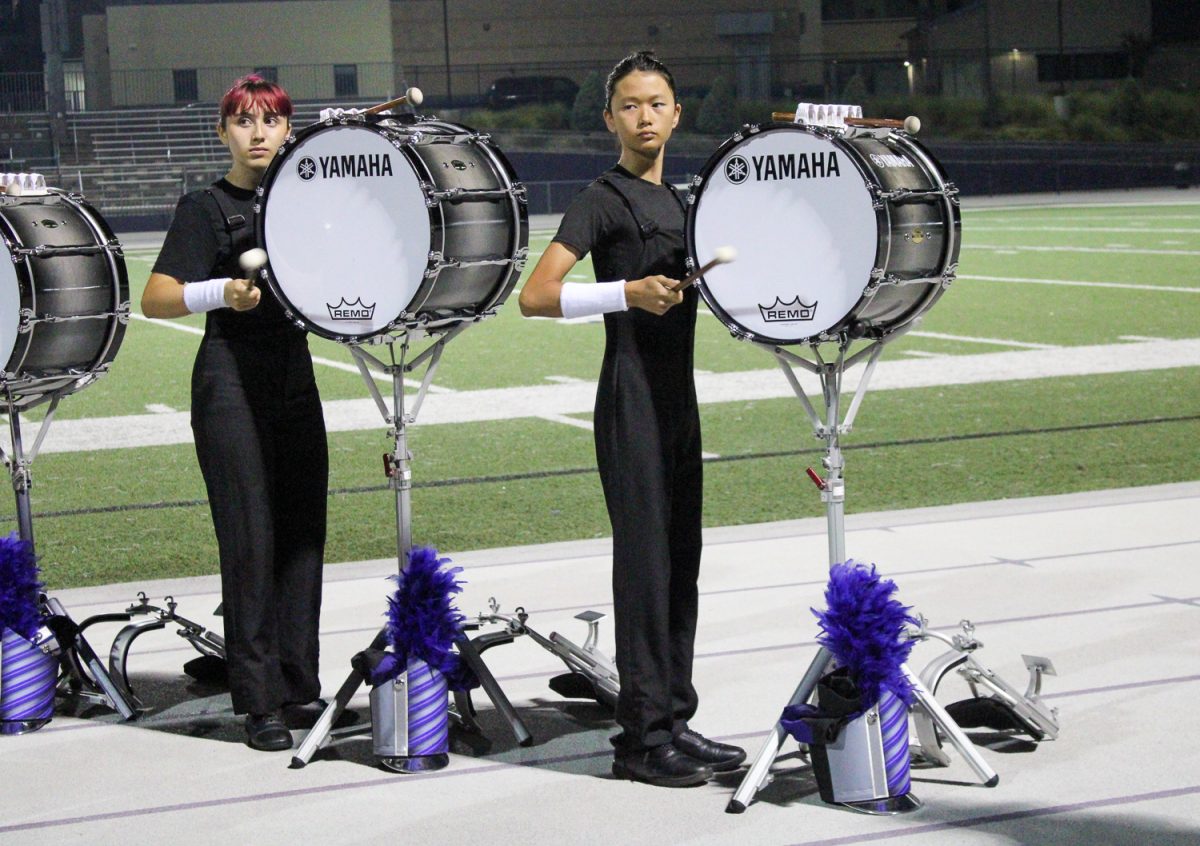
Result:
[
  {"x": 664, "y": 766},
  {"x": 722, "y": 757},
  {"x": 267, "y": 733}
]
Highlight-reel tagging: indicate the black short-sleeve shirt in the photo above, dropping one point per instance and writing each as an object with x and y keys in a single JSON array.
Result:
[
  {"x": 600, "y": 222},
  {"x": 201, "y": 245}
]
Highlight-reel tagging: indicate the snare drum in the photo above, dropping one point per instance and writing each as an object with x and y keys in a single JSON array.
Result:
[
  {"x": 850, "y": 233},
  {"x": 64, "y": 296},
  {"x": 380, "y": 226}
]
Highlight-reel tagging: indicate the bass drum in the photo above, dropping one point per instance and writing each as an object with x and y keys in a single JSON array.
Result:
[
  {"x": 382, "y": 226},
  {"x": 64, "y": 296},
  {"x": 838, "y": 233}
]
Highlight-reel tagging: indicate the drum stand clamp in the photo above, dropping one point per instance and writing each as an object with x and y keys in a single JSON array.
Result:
[
  {"x": 590, "y": 673},
  {"x": 993, "y": 704},
  {"x": 208, "y": 667}
]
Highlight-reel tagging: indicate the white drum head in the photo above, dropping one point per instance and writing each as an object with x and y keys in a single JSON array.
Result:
[
  {"x": 799, "y": 213},
  {"x": 347, "y": 231},
  {"x": 10, "y": 310}
]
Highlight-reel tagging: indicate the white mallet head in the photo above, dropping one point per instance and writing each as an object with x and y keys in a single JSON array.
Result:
[
  {"x": 253, "y": 259},
  {"x": 414, "y": 96},
  {"x": 724, "y": 255},
  {"x": 912, "y": 124}
]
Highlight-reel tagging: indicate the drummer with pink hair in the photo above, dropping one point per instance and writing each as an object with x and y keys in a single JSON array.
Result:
[{"x": 258, "y": 427}]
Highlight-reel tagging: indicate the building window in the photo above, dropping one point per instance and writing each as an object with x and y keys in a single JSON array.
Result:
[
  {"x": 345, "y": 80},
  {"x": 187, "y": 88},
  {"x": 270, "y": 73}
]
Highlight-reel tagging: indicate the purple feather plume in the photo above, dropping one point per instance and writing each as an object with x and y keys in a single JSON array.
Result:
[
  {"x": 863, "y": 627},
  {"x": 422, "y": 620},
  {"x": 19, "y": 587}
]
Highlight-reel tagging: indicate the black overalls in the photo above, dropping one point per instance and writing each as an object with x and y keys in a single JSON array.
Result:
[
  {"x": 647, "y": 429},
  {"x": 260, "y": 440}
]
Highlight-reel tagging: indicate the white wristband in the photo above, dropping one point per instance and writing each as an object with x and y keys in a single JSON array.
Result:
[
  {"x": 581, "y": 300},
  {"x": 204, "y": 296}
]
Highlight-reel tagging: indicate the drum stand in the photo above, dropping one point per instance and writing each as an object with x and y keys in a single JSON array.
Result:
[
  {"x": 397, "y": 466},
  {"x": 833, "y": 494},
  {"x": 82, "y": 673}
]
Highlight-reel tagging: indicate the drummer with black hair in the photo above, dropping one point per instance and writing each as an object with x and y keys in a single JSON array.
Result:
[
  {"x": 258, "y": 426},
  {"x": 647, "y": 423}
]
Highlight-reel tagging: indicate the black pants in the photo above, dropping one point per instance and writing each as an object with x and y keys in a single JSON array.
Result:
[
  {"x": 260, "y": 439},
  {"x": 648, "y": 451}
]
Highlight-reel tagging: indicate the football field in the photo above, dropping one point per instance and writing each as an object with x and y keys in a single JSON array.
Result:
[{"x": 1065, "y": 358}]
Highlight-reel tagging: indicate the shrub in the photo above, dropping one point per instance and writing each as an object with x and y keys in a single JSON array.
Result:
[
  {"x": 535, "y": 116},
  {"x": 718, "y": 113},
  {"x": 587, "y": 113}
]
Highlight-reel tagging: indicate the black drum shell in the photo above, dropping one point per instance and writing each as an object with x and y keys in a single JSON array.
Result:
[
  {"x": 56, "y": 282},
  {"x": 917, "y": 237}
]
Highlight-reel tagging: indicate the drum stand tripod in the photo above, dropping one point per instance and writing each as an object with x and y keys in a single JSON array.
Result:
[
  {"x": 397, "y": 465},
  {"x": 833, "y": 494},
  {"x": 83, "y": 674}
]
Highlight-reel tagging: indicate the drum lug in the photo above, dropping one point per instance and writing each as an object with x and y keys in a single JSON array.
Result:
[
  {"x": 25, "y": 321},
  {"x": 949, "y": 274},
  {"x": 123, "y": 312}
]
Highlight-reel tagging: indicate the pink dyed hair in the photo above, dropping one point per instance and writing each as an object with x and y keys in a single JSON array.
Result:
[{"x": 251, "y": 92}]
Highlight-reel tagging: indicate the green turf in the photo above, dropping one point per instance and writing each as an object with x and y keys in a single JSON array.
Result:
[{"x": 529, "y": 480}]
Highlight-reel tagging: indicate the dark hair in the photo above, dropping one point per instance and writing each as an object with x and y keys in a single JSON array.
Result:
[
  {"x": 643, "y": 60},
  {"x": 253, "y": 91}
]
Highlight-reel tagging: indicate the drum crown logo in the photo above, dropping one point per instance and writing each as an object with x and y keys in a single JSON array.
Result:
[
  {"x": 793, "y": 311},
  {"x": 350, "y": 311}
]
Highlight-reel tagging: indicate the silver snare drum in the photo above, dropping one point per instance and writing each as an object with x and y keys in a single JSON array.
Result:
[{"x": 852, "y": 233}]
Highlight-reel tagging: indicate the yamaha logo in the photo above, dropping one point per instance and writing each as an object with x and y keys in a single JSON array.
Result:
[
  {"x": 350, "y": 311},
  {"x": 736, "y": 169},
  {"x": 793, "y": 311},
  {"x": 307, "y": 168}
]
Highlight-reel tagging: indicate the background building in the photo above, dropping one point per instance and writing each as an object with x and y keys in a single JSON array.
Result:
[{"x": 114, "y": 53}]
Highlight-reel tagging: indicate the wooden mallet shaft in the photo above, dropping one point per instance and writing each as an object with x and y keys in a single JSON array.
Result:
[
  {"x": 412, "y": 95},
  {"x": 722, "y": 255},
  {"x": 910, "y": 124}
]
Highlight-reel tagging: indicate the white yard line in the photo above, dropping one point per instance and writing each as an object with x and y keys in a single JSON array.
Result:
[
  {"x": 1133, "y": 286},
  {"x": 567, "y": 421},
  {"x": 552, "y": 401},
  {"x": 1141, "y": 230},
  {"x": 1001, "y": 342},
  {"x": 324, "y": 362},
  {"x": 1031, "y": 248}
]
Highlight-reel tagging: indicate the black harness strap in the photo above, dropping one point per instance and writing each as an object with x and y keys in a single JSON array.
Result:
[{"x": 645, "y": 224}]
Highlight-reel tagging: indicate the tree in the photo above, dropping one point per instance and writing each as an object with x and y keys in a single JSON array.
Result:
[
  {"x": 718, "y": 113},
  {"x": 589, "y": 103}
]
